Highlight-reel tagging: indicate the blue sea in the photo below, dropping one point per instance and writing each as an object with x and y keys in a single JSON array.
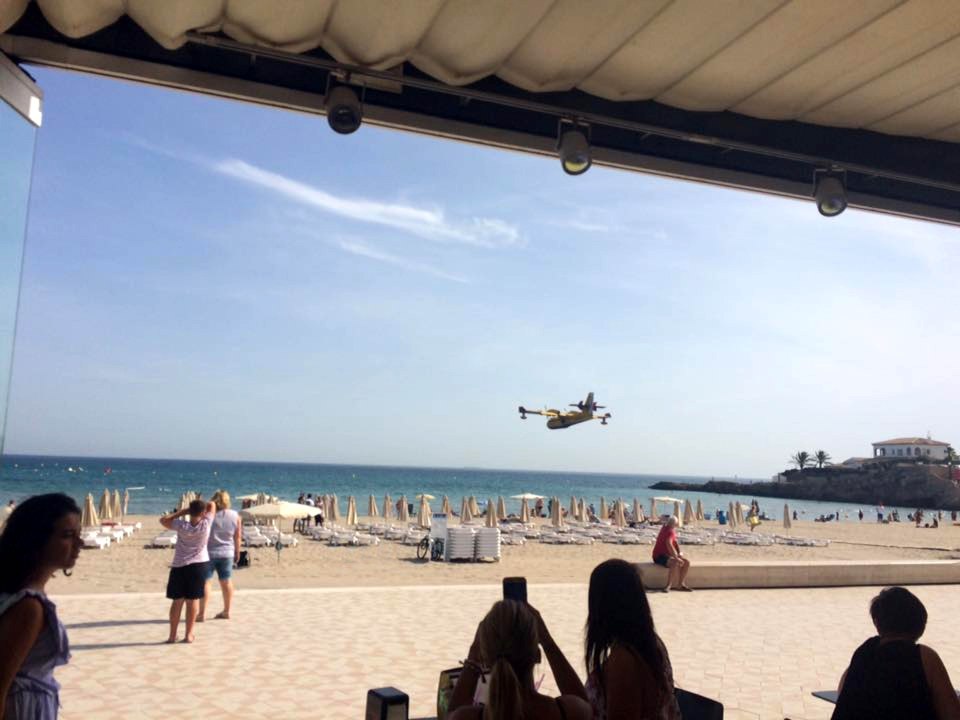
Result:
[{"x": 163, "y": 481}]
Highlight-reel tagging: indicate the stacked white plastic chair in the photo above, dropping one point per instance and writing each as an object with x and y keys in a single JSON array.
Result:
[
  {"x": 487, "y": 543},
  {"x": 460, "y": 543}
]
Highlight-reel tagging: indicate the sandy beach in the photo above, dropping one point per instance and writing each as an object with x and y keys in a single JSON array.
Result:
[{"x": 130, "y": 567}]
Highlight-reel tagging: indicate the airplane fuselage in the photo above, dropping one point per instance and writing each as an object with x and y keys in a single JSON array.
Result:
[{"x": 559, "y": 423}]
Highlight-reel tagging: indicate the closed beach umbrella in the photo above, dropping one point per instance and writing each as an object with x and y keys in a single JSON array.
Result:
[
  {"x": 372, "y": 507},
  {"x": 501, "y": 508},
  {"x": 699, "y": 510},
  {"x": 731, "y": 517},
  {"x": 404, "y": 514},
  {"x": 261, "y": 498},
  {"x": 117, "y": 506},
  {"x": 583, "y": 510},
  {"x": 424, "y": 513},
  {"x": 445, "y": 506},
  {"x": 556, "y": 515},
  {"x": 334, "y": 509},
  {"x": 653, "y": 509},
  {"x": 491, "y": 514},
  {"x": 618, "y": 516},
  {"x": 676, "y": 513},
  {"x": 739, "y": 508},
  {"x": 126, "y": 501},
  {"x": 106, "y": 506},
  {"x": 351, "y": 511},
  {"x": 524, "y": 511},
  {"x": 465, "y": 514},
  {"x": 387, "y": 508},
  {"x": 474, "y": 508},
  {"x": 637, "y": 511},
  {"x": 688, "y": 516},
  {"x": 88, "y": 518},
  {"x": 603, "y": 509},
  {"x": 787, "y": 523},
  {"x": 574, "y": 508}
]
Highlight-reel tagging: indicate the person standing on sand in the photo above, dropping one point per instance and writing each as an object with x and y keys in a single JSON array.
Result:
[
  {"x": 666, "y": 552},
  {"x": 224, "y": 550},
  {"x": 188, "y": 571},
  {"x": 42, "y": 536}
]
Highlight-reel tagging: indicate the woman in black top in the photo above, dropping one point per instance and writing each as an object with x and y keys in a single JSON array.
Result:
[{"x": 891, "y": 675}]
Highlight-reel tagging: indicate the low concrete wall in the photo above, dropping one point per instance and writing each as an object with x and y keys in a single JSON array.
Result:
[{"x": 801, "y": 573}]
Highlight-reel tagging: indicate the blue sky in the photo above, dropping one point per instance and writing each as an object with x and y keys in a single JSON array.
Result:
[{"x": 208, "y": 279}]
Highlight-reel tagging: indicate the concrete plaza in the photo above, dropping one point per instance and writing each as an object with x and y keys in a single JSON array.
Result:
[{"x": 314, "y": 653}]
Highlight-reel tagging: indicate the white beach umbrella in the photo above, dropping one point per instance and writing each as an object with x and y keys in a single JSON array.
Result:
[
  {"x": 117, "y": 506},
  {"x": 404, "y": 514},
  {"x": 501, "y": 508},
  {"x": 88, "y": 518},
  {"x": 491, "y": 514},
  {"x": 445, "y": 506},
  {"x": 738, "y": 507},
  {"x": 524, "y": 511},
  {"x": 699, "y": 510},
  {"x": 688, "y": 515},
  {"x": 619, "y": 518},
  {"x": 279, "y": 510},
  {"x": 126, "y": 501},
  {"x": 787, "y": 522},
  {"x": 574, "y": 508},
  {"x": 387, "y": 508},
  {"x": 603, "y": 509},
  {"x": 556, "y": 514},
  {"x": 465, "y": 514},
  {"x": 474, "y": 508},
  {"x": 372, "y": 507},
  {"x": 637, "y": 511},
  {"x": 334, "y": 514},
  {"x": 351, "y": 511},
  {"x": 106, "y": 506},
  {"x": 676, "y": 513},
  {"x": 731, "y": 517},
  {"x": 582, "y": 517},
  {"x": 653, "y": 509},
  {"x": 526, "y": 496},
  {"x": 424, "y": 513}
]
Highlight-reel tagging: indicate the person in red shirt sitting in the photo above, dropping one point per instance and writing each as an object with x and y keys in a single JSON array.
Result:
[{"x": 666, "y": 552}]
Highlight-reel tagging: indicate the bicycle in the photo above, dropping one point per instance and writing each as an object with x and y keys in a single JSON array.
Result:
[{"x": 432, "y": 547}]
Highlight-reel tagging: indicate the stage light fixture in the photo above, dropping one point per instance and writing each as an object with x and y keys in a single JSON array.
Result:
[
  {"x": 830, "y": 193},
  {"x": 344, "y": 110},
  {"x": 574, "y": 150}
]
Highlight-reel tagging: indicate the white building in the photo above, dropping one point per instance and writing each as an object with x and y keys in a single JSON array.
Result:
[{"x": 911, "y": 447}]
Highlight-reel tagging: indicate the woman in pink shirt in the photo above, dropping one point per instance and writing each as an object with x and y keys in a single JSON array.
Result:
[
  {"x": 188, "y": 571},
  {"x": 666, "y": 552}
]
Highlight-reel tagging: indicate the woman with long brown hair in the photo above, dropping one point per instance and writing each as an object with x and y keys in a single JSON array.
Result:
[
  {"x": 507, "y": 647},
  {"x": 629, "y": 673}
]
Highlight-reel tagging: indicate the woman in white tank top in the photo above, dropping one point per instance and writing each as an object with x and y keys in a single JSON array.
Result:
[{"x": 224, "y": 550}]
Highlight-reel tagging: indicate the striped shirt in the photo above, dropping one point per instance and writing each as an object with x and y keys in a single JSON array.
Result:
[{"x": 192, "y": 539}]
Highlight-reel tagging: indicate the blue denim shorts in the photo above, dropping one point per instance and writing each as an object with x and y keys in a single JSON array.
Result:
[{"x": 223, "y": 568}]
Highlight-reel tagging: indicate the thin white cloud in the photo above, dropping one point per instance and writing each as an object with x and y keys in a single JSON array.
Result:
[
  {"x": 361, "y": 249},
  {"x": 423, "y": 222}
]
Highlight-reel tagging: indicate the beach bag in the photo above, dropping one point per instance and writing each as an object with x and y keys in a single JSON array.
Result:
[
  {"x": 244, "y": 560},
  {"x": 448, "y": 681}
]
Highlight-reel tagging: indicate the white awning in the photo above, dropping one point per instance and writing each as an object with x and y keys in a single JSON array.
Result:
[{"x": 886, "y": 65}]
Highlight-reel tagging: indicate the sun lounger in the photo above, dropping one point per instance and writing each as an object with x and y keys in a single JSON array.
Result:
[
  {"x": 365, "y": 540},
  {"x": 92, "y": 539},
  {"x": 165, "y": 539}
]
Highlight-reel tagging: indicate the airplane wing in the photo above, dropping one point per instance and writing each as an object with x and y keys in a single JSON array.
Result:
[{"x": 546, "y": 413}]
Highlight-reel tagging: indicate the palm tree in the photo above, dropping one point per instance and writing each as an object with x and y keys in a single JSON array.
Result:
[
  {"x": 800, "y": 459},
  {"x": 952, "y": 459},
  {"x": 822, "y": 458}
]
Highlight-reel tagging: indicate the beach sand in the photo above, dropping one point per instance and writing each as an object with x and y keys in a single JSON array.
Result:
[{"x": 130, "y": 567}]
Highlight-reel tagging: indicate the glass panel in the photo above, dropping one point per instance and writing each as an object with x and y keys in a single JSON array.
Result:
[{"x": 17, "y": 137}]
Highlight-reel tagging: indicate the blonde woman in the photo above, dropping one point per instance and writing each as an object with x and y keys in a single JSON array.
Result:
[
  {"x": 508, "y": 642},
  {"x": 224, "y": 550}
]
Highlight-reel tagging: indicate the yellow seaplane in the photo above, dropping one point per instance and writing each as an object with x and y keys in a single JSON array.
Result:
[{"x": 559, "y": 419}]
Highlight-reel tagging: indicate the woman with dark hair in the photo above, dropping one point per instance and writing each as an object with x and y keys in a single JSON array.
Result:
[
  {"x": 891, "y": 675},
  {"x": 629, "y": 673},
  {"x": 41, "y": 536},
  {"x": 507, "y": 646}
]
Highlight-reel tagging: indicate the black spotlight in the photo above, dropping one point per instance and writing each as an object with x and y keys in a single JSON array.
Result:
[
  {"x": 574, "y": 150},
  {"x": 344, "y": 110},
  {"x": 830, "y": 193}
]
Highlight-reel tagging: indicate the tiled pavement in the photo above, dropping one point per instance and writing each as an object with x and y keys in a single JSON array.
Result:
[{"x": 314, "y": 653}]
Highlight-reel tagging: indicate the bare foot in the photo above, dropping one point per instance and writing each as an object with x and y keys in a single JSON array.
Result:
[
  {"x": 685, "y": 588},
  {"x": 188, "y": 639},
  {"x": 171, "y": 640},
  {"x": 199, "y": 618},
  {"x": 222, "y": 616}
]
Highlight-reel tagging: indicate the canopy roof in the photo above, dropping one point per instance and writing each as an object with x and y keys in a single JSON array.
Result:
[{"x": 751, "y": 94}]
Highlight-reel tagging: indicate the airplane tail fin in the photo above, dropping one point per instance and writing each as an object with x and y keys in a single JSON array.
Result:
[{"x": 588, "y": 403}]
